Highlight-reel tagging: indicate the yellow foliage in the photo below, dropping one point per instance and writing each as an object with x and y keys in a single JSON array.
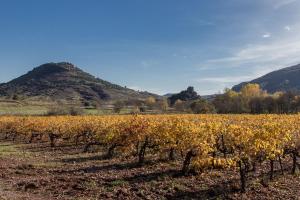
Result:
[{"x": 245, "y": 137}]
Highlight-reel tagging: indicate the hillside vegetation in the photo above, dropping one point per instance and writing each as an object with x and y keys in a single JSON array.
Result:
[{"x": 66, "y": 84}]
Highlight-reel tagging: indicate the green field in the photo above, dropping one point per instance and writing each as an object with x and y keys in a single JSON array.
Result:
[{"x": 10, "y": 107}]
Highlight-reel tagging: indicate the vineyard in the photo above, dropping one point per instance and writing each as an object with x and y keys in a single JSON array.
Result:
[{"x": 200, "y": 143}]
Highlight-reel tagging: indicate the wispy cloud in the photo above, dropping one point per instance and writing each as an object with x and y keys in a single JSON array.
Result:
[
  {"x": 277, "y": 53},
  {"x": 226, "y": 79},
  {"x": 266, "y": 35},
  {"x": 287, "y": 28},
  {"x": 281, "y": 3}
]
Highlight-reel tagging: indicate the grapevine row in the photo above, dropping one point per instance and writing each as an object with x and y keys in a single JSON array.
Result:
[{"x": 200, "y": 142}]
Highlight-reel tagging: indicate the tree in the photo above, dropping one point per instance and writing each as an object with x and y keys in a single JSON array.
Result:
[
  {"x": 118, "y": 106},
  {"x": 202, "y": 106},
  {"x": 163, "y": 105},
  {"x": 15, "y": 97},
  {"x": 179, "y": 105},
  {"x": 87, "y": 104},
  {"x": 150, "y": 102},
  {"x": 270, "y": 104},
  {"x": 256, "y": 105},
  {"x": 286, "y": 102},
  {"x": 251, "y": 90},
  {"x": 252, "y": 99},
  {"x": 229, "y": 102}
]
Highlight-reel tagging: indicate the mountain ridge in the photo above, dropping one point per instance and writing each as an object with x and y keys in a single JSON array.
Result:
[
  {"x": 66, "y": 82},
  {"x": 285, "y": 79}
]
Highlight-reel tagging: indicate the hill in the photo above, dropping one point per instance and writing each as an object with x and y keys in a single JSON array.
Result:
[
  {"x": 66, "y": 83},
  {"x": 285, "y": 79}
]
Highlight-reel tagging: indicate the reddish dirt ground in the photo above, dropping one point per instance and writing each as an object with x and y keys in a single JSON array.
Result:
[{"x": 36, "y": 171}]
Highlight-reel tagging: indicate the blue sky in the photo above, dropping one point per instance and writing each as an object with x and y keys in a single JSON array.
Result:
[{"x": 160, "y": 46}]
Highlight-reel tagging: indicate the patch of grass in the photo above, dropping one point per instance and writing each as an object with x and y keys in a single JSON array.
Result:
[
  {"x": 8, "y": 149},
  {"x": 22, "y": 110},
  {"x": 44, "y": 165},
  {"x": 118, "y": 182},
  {"x": 92, "y": 184},
  {"x": 177, "y": 186},
  {"x": 98, "y": 111}
]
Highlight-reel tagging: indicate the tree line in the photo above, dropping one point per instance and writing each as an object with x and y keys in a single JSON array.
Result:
[{"x": 250, "y": 99}]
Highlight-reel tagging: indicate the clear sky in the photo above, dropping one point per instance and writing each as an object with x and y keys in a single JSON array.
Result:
[{"x": 157, "y": 45}]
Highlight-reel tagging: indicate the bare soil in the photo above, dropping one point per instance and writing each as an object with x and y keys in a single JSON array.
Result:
[{"x": 38, "y": 172}]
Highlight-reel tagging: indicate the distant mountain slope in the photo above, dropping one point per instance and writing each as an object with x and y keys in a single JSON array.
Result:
[
  {"x": 66, "y": 82},
  {"x": 281, "y": 80}
]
